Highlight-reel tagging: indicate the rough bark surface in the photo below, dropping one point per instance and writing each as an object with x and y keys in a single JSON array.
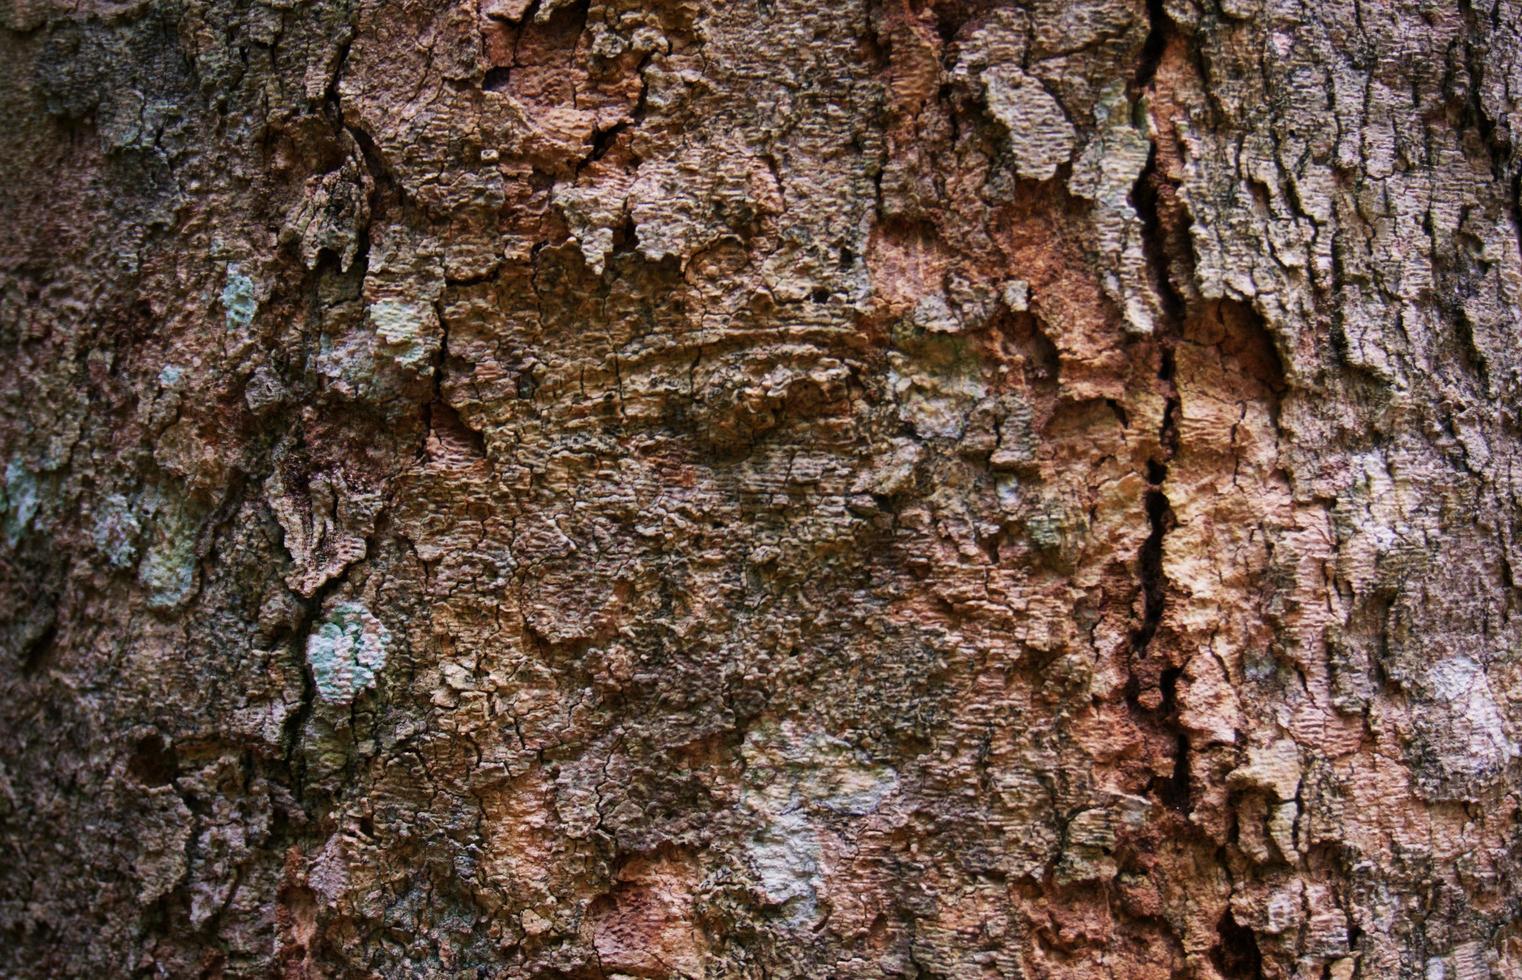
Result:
[{"x": 771, "y": 488}]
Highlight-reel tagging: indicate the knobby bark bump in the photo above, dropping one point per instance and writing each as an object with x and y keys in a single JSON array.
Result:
[{"x": 761, "y": 488}]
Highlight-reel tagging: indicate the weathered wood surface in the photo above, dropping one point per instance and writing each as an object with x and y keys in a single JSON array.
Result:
[{"x": 771, "y": 488}]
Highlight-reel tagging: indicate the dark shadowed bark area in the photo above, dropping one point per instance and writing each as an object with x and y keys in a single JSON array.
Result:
[{"x": 761, "y": 488}]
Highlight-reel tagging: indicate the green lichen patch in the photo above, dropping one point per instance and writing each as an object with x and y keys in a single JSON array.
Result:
[
  {"x": 169, "y": 571},
  {"x": 239, "y": 299},
  {"x": 169, "y": 531},
  {"x": 346, "y": 652},
  {"x": 796, "y": 783}
]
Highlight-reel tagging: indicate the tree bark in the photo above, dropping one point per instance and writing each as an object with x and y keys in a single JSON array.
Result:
[{"x": 761, "y": 488}]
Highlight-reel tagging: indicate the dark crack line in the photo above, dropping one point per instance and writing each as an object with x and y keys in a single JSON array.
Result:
[{"x": 1159, "y": 705}]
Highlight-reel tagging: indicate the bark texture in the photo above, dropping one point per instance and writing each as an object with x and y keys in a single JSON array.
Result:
[{"x": 761, "y": 488}]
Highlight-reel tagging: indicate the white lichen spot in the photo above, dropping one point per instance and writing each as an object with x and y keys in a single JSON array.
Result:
[
  {"x": 170, "y": 376},
  {"x": 239, "y": 299},
  {"x": 1285, "y": 909},
  {"x": 1016, "y": 294},
  {"x": 117, "y": 531},
  {"x": 1009, "y": 492},
  {"x": 21, "y": 500},
  {"x": 347, "y": 362},
  {"x": 592, "y": 213},
  {"x": 346, "y": 652},
  {"x": 785, "y": 855},
  {"x": 1460, "y": 726},
  {"x": 793, "y": 781},
  {"x": 405, "y": 331},
  {"x": 934, "y": 315},
  {"x": 934, "y": 403}
]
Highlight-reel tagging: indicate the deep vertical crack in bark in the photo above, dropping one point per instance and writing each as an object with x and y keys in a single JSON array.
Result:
[
  {"x": 1159, "y": 704},
  {"x": 1144, "y": 201}
]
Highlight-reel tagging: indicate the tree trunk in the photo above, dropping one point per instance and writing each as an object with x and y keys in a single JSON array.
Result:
[{"x": 761, "y": 488}]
